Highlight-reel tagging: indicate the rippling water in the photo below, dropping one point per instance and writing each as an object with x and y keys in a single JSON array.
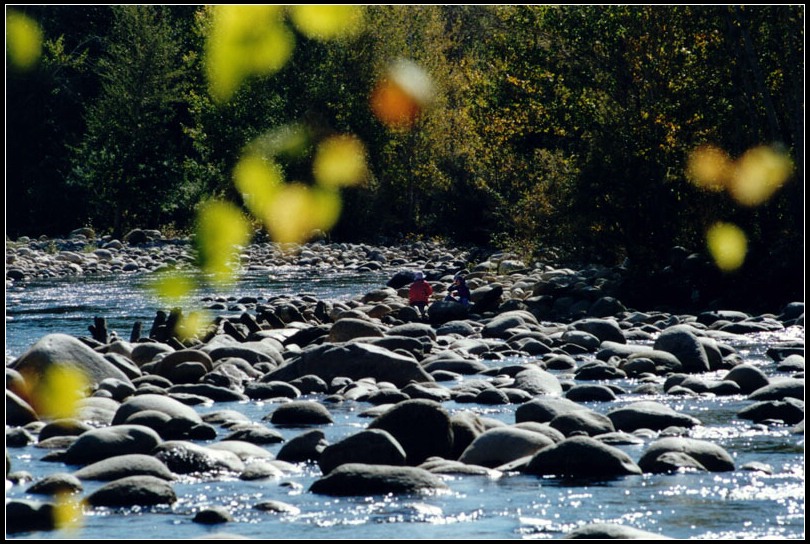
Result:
[{"x": 735, "y": 505}]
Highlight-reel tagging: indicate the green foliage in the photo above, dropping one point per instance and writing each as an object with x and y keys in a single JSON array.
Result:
[
  {"x": 548, "y": 125},
  {"x": 127, "y": 162}
]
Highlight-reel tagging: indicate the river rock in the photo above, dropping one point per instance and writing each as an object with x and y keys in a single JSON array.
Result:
[
  {"x": 421, "y": 427},
  {"x": 301, "y": 412},
  {"x": 681, "y": 341},
  {"x": 97, "y": 444},
  {"x": 649, "y": 415},
  {"x": 675, "y": 461},
  {"x": 65, "y": 352},
  {"x": 582, "y": 421},
  {"x": 538, "y": 382},
  {"x": 58, "y": 483},
  {"x": 371, "y": 446},
  {"x": 609, "y": 349},
  {"x": 780, "y": 389},
  {"x": 18, "y": 411},
  {"x": 606, "y": 330},
  {"x": 357, "y": 479},
  {"x": 175, "y": 409},
  {"x": 609, "y": 531},
  {"x": 63, "y": 427},
  {"x": 346, "y": 329},
  {"x": 543, "y": 410},
  {"x": 500, "y": 445},
  {"x": 789, "y": 411},
  {"x": 184, "y": 457},
  {"x": 581, "y": 456},
  {"x": 147, "y": 352},
  {"x": 708, "y": 454},
  {"x": 590, "y": 393},
  {"x": 133, "y": 491},
  {"x": 305, "y": 447},
  {"x": 355, "y": 361},
  {"x": 121, "y": 466},
  {"x": 442, "y": 312},
  {"x": 24, "y": 515}
]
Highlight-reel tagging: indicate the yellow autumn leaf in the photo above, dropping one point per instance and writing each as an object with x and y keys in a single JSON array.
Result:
[
  {"x": 221, "y": 229},
  {"x": 58, "y": 391},
  {"x": 68, "y": 512},
  {"x": 23, "y": 40},
  {"x": 709, "y": 167},
  {"x": 258, "y": 180},
  {"x": 340, "y": 161},
  {"x": 327, "y": 22},
  {"x": 758, "y": 174},
  {"x": 244, "y": 40},
  {"x": 728, "y": 245},
  {"x": 172, "y": 286},
  {"x": 191, "y": 325},
  {"x": 297, "y": 211}
]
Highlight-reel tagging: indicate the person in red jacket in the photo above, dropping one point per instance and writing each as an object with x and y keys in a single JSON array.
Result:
[{"x": 419, "y": 294}]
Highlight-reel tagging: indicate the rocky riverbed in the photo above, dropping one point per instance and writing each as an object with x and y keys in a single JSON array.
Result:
[{"x": 564, "y": 336}]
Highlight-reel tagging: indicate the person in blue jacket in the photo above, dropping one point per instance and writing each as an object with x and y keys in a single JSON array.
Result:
[{"x": 460, "y": 289}]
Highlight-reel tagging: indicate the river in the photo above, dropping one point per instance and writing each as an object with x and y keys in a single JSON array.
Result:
[{"x": 743, "y": 504}]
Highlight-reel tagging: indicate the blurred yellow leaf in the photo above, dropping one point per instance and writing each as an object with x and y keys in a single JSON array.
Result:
[
  {"x": 291, "y": 140},
  {"x": 172, "y": 286},
  {"x": 221, "y": 229},
  {"x": 727, "y": 245},
  {"x": 709, "y": 167},
  {"x": 340, "y": 161},
  {"x": 58, "y": 391},
  {"x": 759, "y": 173},
  {"x": 327, "y": 22},
  {"x": 245, "y": 40},
  {"x": 23, "y": 40},
  {"x": 297, "y": 211},
  {"x": 258, "y": 180},
  {"x": 192, "y": 325},
  {"x": 68, "y": 512}
]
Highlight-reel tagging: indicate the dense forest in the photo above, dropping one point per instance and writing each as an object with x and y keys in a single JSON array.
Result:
[{"x": 528, "y": 128}]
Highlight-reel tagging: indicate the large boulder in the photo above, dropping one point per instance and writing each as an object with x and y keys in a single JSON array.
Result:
[
  {"x": 349, "y": 328},
  {"x": 649, "y": 415},
  {"x": 606, "y": 330},
  {"x": 352, "y": 360},
  {"x": 582, "y": 421},
  {"x": 173, "y": 408},
  {"x": 64, "y": 352},
  {"x": 358, "y": 479},
  {"x": 681, "y": 341},
  {"x": 301, "y": 413},
  {"x": 708, "y": 454},
  {"x": 501, "y": 445},
  {"x": 133, "y": 491},
  {"x": 24, "y": 515},
  {"x": 748, "y": 377},
  {"x": 121, "y": 466},
  {"x": 97, "y": 444},
  {"x": 543, "y": 410},
  {"x": 579, "y": 457},
  {"x": 789, "y": 411},
  {"x": 372, "y": 446},
  {"x": 422, "y": 427},
  {"x": 184, "y": 457},
  {"x": 538, "y": 382}
]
